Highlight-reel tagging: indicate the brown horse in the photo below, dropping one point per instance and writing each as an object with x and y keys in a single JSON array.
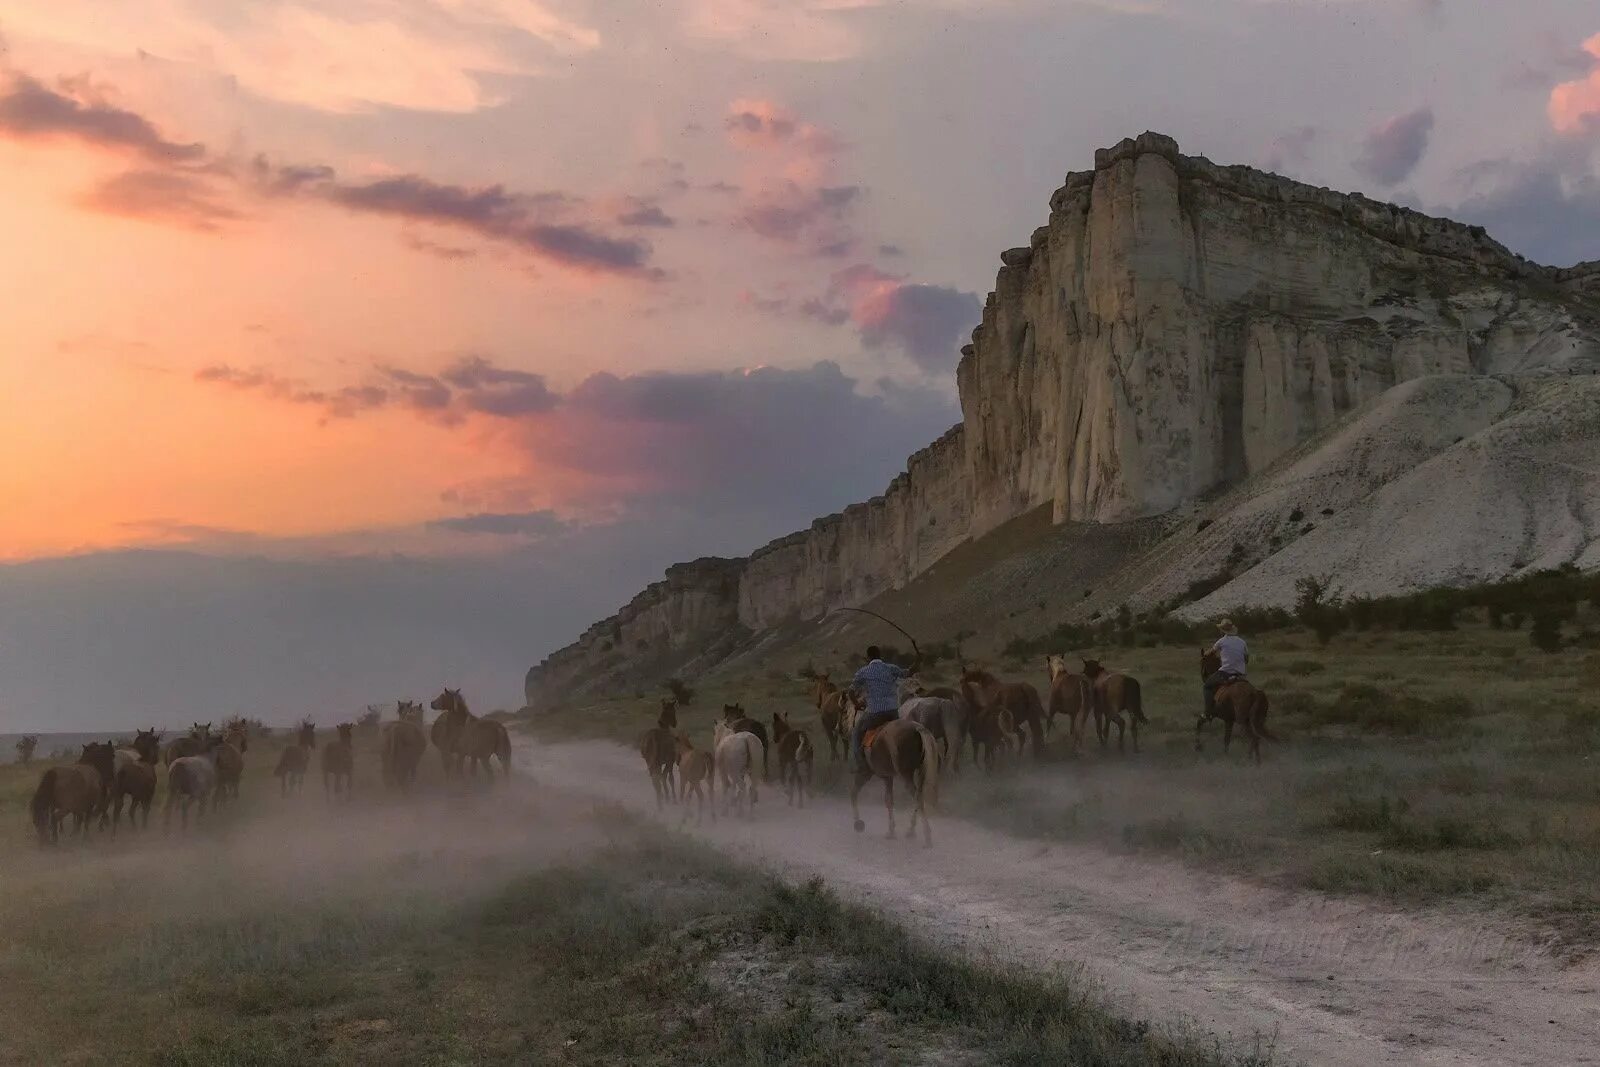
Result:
[
  {"x": 193, "y": 743},
  {"x": 734, "y": 715},
  {"x": 659, "y": 748},
  {"x": 402, "y": 745},
  {"x": 230, "y": 762},
  {"x": 834, "y": 712},
  {"x": 994, "y": 732},
  {"x": 1114, "y": 694},
  {"x": 795, "y": 757},
  {"x": 695, "y": 768},
  {"x": 1072, "y": 696},
  {"x": 339, "y": 763},
  {"x": 906, "y": 750},
  {"x": 668, "y": 719},
  {"x": 469, "y": 738},
  {"x": 133, "y": 778},
  {"x": 296, "y": 758},
  {"x": 78, "y": 790},
  {"x": 1237, "y": 702},
  {"x": 983, "y": 691}
]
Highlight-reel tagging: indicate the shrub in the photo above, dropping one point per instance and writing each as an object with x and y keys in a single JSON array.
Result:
[
  {"x": 680, "y": 691},
  {"x": 1317, "y": 610},
  {"x": 1545, "y": 633}
]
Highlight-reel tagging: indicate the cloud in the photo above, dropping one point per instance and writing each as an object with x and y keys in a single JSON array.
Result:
[
  {"x": 1575, "y": 105},
  {"x": 1392, "y": 150},
  {"x": 1546, "y": 207},
  {"x": 161, "y": 196},
  {"x": 762, "y": 438},
  {"x": 184, "y": 184},
  {"x": 1291, "y": 150},
  {"x": 763, "y": 124},
  {"x": 521, "y": 524},
  {"x": 926, "y": 322},
  {"x": 29, "y": 109},
  {"x": 646, "y": 215},
  {"x": 329, "y": 55},
  {"x": 793, "y": 214}
]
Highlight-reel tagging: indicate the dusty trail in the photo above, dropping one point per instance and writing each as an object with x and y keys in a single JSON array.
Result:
[{"x": 1326, "y": 981}]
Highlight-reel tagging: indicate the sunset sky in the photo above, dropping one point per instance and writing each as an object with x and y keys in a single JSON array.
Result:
[{"x": 358, "y": 348}]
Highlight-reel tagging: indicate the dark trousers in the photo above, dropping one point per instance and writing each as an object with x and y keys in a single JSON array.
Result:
[
  {"x": 867, "y": 720},
  {"x": 1212, "y": 684}
]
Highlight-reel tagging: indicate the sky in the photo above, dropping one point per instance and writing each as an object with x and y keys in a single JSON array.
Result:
[{"x": 353, "y": 349}]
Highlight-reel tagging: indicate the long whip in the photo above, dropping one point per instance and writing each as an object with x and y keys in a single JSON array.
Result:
[{"x": 891, "y": 622}]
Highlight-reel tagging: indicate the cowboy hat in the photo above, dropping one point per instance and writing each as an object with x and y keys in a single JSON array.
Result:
[{"x": 1227, "y": 627}]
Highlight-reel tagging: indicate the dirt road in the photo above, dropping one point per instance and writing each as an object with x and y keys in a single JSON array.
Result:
[{"x": 1324, "y": 981}]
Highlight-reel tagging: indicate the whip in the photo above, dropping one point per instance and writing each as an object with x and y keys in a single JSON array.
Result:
[{"x": 891, "y": 622}]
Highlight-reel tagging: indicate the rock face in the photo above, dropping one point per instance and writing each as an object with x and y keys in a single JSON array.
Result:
[{"x": 1178, "y": 327}]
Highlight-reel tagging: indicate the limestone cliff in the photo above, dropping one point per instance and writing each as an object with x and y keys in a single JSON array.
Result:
[{"x": 1176, "y": 328}]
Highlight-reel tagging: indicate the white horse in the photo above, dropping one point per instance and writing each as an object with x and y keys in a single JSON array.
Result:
[
  {"x": 945, "y": 719},
  {"x": 736, "y": 754},
  {"x": 191, "y": 778}
]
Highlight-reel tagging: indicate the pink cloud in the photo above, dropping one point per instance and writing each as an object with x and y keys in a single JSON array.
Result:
[{"x": 1575, "y": 105}]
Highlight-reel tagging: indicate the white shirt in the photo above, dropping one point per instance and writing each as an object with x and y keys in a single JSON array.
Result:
[{"x": 1231, "y": 649}]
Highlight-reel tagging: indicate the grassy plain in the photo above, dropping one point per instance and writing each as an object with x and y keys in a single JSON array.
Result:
[
  {"x": 458, "y": 927},
  {"x": 1454, "y": 768}
]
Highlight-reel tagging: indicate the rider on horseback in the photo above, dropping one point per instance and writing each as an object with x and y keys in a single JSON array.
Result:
[
  {"x": 1233, "y": 657},
  {"x": 880, "y": 682}
]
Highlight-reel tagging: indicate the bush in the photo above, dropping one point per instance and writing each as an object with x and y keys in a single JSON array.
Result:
[
  {"x": 1545, "y": 634},
  {"x": 1319, "y": 612},
  {"x": 680, "y": 691}
]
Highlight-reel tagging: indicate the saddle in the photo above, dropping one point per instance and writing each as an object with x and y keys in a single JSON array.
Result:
[{"x": 869, "y": 737}]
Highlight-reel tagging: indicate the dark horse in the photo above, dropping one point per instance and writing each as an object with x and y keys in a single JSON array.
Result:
[
  {"x": 984, "y": 692},
  {"x": 1237, "y": 701},
  {"x": 133, "y": 779},
  {"x": 469, "y": 738},
  {"x": 739, "y": 722},
  {"x": 78, "y": 790}
]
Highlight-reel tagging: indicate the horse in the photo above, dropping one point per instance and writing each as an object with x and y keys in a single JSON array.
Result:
[
  {"x": 994, "y": 731},
  {"x": 230, "y": 762},
  {"x": 907, "y": 750},
  {"x": 695, "y": 767},
  {"x": 1115, "y": 693},
  {"x": 1237, "y": 701},
  {"x": 133, "y": 777},
  {"x": 1072, "y": 696},
  {"x": 795, "y": 757},
  {"x": 834, "y": 713},
  {"x": 735, "y": 752},
  {"x": 191, "y": 744},
  {"x": 983, "y": 690},
  {"x": 189, "y": 779},
  {"x": 734, "y": 715},
  {"x": 468, "y": 737},
  {"x": 339, "y": 763},
  {"x": 78, "y": 790},
  {"x": 944, "y": 713},
  {"x": 659, "y": 748},
  {"x": 402, "y": 745},
  {"x": 293, "y": 761},
  {"x": 668, "y": 719}
]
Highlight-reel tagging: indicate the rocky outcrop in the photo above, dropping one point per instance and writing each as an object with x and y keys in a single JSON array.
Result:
[{"x": 1177, "y": 327}]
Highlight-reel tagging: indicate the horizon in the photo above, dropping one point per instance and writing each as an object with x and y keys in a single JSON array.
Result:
[{"x": 349, "y": 361}]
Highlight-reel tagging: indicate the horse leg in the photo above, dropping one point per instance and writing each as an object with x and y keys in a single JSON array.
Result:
[
  {"x": 1133, "y": 728},
  {"x": 1199, "y": 731},
  {"x": 856, "y": 781},
  {"x": 1227, "y": 733},
  {"x": 1122, "y": 730},
  {"x": 888, "y": 801}
]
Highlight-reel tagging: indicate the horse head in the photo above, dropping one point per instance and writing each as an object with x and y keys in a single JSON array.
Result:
[
  {"x": 1092, "y": 669},
  {"x": 732, "y": 713},
  {"x": 669, "y": 712},
  {"x": 1055, "y": 665},
  {"x": 101, "y": 755},
  {"x": 148, "y": 744},
  {"x": 346, "y": 729},
  {"x": 1210, "y": 663},
  {"x": 780, "y": 725},
  {"x": 449, "y": 700}
]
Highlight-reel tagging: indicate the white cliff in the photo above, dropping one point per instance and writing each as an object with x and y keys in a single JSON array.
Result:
[{"x": 1178, "y": 328}]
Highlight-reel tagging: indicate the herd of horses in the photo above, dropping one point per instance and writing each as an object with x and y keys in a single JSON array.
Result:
[
  {"x": 997, "y": 718},
  {"x": 204, "y": 767}
]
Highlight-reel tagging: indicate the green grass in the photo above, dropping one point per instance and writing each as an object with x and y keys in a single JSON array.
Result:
[{"x": 1453, "y": 767}]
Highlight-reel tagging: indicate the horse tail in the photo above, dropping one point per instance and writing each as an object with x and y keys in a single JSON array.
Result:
[
  {"x": 502, "y": 745},
  {"x": 43, "y": 800},
  {"x": 754, "y": 751},
  {"x": 1133, "y": 698},
  {"x": 1261, "y": 718},
  {"x": 1006, "y": 723},
  {"x": 930, "y": 767}
]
